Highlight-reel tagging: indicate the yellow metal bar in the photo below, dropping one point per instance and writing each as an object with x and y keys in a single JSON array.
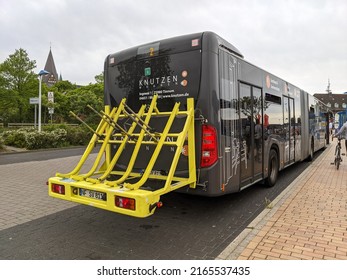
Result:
[
  {"x": 134, "y": 115},
  {"x": 121, "y": 147},
  {"x": 168, "y": 143},
  {"x": 156, "y": 151},
  {"x": 137, "y": 146},
  {"x": 187, "y": 129},
  {"x": 100, "y": 129},
  {"x": 151, "y": 176},
  {"x": 83, "y": 122},
  {"x": 191, "y": 144},
  {"x": 110, "y": 121},
  {"x": 107, "y": 136},
  {"x": 108, "y": 148},
  {"x": 143, "y": 127}
]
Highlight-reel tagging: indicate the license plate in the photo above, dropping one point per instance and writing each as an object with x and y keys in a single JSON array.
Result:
[{"x": 93, "y": 194}]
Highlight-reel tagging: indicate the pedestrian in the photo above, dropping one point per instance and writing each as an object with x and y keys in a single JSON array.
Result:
[
  {"x": 331, "y": 128},
  {"x": 342, "y": 134}
]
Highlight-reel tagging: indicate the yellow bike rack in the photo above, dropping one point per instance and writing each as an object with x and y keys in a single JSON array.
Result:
[{"x": 126, "y": 193}]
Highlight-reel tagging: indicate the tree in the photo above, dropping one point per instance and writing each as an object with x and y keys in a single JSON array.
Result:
[
  {"x": 100, "y": 78},
  {"x": 78, "y": 100},
  {"x": 69, "y": 97},
  {"x": 63, "y": 86},
  {"x": 18, "y": 83}
]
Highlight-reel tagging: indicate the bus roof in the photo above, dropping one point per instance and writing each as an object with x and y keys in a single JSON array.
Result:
[{"x": 208, "y": 41}]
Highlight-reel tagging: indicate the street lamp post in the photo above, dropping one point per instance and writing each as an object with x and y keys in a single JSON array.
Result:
[{"x": 41, "y": 73}]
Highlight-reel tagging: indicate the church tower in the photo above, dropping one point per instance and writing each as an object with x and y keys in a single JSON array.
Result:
[{"x": 52, "y": 78}]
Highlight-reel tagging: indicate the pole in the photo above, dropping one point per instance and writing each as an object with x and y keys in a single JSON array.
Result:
[
  {"x": 35, "y": 116},
  {"x": 39, "y": 122}
]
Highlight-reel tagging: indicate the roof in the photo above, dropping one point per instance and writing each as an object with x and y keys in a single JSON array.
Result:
[
  {"x": 337, "y": 101},
  {"x": 53, "y": 77}
]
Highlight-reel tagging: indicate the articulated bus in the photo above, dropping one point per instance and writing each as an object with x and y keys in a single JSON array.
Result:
[
  {"x": 189, "y": 114},
  {"x": 249, "y": 123}
]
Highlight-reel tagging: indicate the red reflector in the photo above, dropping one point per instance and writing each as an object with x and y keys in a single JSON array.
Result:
[
  {"x": 195, "y": 42},
  {"x": 159, "y": 204},
  {"x": 125, "y": 202},
  {"x": 209, "y": 150},
  {"x": 58, "y": 188}
]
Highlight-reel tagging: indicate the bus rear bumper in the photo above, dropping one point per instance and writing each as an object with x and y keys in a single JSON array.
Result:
[{"x": 138, "y": 203}]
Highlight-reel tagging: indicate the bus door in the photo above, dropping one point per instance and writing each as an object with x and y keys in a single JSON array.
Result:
[
  {"x": 251, "y": 133},
  {"x": 289, "y": 129},
  {"x": 229, "y": 140}
]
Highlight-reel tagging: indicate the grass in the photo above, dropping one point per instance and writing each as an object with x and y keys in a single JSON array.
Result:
[{"x": 268, "y": 203}]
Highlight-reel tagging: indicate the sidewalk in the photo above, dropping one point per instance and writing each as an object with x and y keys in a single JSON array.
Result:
[
  {"x": 307, "y": 221},
  {"x": 32, "y": 202}
]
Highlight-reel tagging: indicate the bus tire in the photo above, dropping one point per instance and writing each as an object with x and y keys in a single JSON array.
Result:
[{"x": 273, "y": 169}]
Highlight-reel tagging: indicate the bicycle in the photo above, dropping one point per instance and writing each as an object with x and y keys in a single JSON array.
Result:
[{"x": 338, "y": 158}]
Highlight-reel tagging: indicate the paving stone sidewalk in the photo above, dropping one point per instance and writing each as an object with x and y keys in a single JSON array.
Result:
[
  {"x": 23, "y": 189},
  {"x": 308, "y": 221}
]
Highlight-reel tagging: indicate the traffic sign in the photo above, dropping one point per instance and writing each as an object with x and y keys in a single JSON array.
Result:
[
  {"x": 34, "y": 100},
  {"x": 50, "y": 96}
]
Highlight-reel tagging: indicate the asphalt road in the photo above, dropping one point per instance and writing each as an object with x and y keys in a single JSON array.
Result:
[
  {"x": 187, "y": 227},
  {"x": 38, "y": 155}
]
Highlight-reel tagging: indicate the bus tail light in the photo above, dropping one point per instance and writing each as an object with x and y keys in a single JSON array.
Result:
[
  {"x": 60, "y": 189},
  {"x": 209, "y": 150},
  {"x": 125, "y": 202}
]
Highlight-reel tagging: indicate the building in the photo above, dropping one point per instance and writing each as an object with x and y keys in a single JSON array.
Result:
[
  {"x": 53, "y": 77},
  {"x": 336, "y": 102}
]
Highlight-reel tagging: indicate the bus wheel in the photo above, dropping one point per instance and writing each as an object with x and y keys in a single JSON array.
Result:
[{"x": 273, "y": 169}]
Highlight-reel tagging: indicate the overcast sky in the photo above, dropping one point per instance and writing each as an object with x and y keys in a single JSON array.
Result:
[{"x": 301, "y": 41}]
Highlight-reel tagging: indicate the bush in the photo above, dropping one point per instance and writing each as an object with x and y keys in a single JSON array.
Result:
[
  {"x": 51, "y": 137},
  {"x": 1, "y": 144},
  {"x": 15, "y": 138},
  {"x": 78, "y": 136},
  {"x": 44, "y": 139}
]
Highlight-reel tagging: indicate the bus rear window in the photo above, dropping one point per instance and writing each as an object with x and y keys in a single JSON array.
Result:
[{"x": 173, "y": 77}]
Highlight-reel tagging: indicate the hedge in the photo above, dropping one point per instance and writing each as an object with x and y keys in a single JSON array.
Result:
[{"x": 51, "y": 137}]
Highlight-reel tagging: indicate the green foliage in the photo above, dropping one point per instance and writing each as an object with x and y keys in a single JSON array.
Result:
[
  {"x": 62, "y": 87},
  {"x": 99, "y": 78},
  {"x": 39, "y": 140},
  {"x": 75, "y": 136},
  {"x": 52, "y": 137},
  {"x": 78, "y": 99},
  {"x": 17, "y": 84},
  {"x": 15, "y": 138},
  {"x": 78, "y": 136}
]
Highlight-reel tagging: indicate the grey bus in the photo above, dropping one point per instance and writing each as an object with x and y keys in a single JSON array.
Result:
[
  {"x": 249, "y": 123},
  {"x": 189, "y": 114}
]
